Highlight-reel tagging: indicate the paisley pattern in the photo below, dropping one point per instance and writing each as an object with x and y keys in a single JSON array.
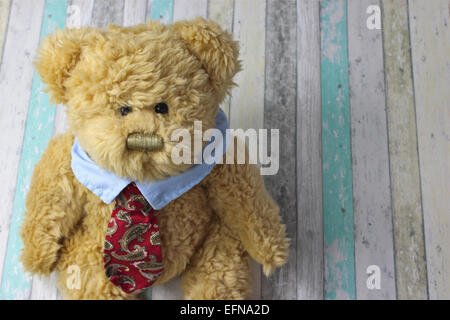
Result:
[{"x": 132, "y": 251}]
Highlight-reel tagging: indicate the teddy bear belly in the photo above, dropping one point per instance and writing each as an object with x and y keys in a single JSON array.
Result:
[{"x": 183, "y": 224}]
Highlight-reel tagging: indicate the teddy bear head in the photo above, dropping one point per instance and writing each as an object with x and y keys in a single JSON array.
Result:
[{"x": 127, "y": 89}]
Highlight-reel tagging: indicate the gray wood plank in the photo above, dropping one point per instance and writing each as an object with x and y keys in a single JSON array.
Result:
[
  {"x": 280, "y": 113},
  {"x": 106, "y": 12},
  {"x": 411, "y": 276},
  {"x": 309, "y": 244},
  {"x": 134, "y": 12},
  {"x": 370, "y": 159},
  {"x": 430, "y": 48}
]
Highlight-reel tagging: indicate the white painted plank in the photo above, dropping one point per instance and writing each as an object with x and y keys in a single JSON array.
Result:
[
  {"x": 309, "y": 245},
  {"x": 370, "y": 158},
  {"x": 430, "y": 47},
  {"x": 16, "y": 77},
  {"x": 134, "y": 12},
  {"x": 247, "y": 100},
  {"x": 189, "y": 9},
  {"x": 44, "y": 288},
  {"x": 4, "y": 12},
  {"x": 410, "y": 263}
]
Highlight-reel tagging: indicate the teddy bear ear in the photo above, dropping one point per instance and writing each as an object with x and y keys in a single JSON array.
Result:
[
  {"x": 56, "y": 57},
  {"x": 214, "y": 47}
]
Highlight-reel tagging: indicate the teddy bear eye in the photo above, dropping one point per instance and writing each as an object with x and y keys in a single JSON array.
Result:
[
  {"x": 124, "y": 110},
  {"x": 161, "y": 108}
]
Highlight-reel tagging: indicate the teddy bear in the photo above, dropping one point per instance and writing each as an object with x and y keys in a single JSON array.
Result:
[{"x": 107, "y": 199}]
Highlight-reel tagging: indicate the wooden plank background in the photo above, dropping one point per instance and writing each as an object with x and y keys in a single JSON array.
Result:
[
  {"x": 363, "y": 117},
  {"x": 336, "y": 156},
  {"x": 370, "y": 164}
]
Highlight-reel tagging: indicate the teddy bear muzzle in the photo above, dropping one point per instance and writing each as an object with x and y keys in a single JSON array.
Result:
[{"x": 144, "y": 142}]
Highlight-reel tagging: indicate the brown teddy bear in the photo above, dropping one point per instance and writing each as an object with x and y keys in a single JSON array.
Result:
[{"x": 108, "y": 202}]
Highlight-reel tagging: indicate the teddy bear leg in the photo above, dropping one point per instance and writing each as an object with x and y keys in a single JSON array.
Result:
[
  {"x": 219, "y": 270},
  {"x": 81, "y": 275}
]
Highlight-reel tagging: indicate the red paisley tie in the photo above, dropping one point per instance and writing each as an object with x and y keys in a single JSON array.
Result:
[{"x": 132, "y": 254}]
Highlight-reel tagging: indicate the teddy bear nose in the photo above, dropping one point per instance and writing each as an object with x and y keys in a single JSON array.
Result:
[{"x": 144, "y": 142}]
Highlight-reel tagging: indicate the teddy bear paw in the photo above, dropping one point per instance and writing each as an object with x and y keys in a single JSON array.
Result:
[
  {"x": 277, "y": 258},
  {"x": 40, "y": 259}
]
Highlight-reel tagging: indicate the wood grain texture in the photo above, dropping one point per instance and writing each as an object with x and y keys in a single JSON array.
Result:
[
  {"x": 411, "y": 277},
  {"x": 189, "y": 9},
  {"x": 374, "y": 244},
  {"x": 247, "y": 100},
  {"x": 221, "y": 11},
  {"x": 280, "y": 113},
  {"x": 134, "y": 12},
  {"x": 336, "y": 153},
  {"x": 161, "y": 10},
  {"x": 107, "y": 12},
  {"x": 16, "y": 77},
  {"x": 309, "y": 245},
  {"x": 430, "y": 45},
  {"x": 4, "y": 13},
  {"x": 34, "y": 131}
]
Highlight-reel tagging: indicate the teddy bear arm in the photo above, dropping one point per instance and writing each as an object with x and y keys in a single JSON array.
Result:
[
  {"x": 239, "y": 197},
  {"x": 51, "y": 210}
]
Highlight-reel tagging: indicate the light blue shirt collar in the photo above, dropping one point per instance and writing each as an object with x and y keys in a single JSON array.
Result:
[{"x": 107, "y": 186}]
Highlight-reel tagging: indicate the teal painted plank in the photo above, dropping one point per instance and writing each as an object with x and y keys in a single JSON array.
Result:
[
  {"x": 161, "y": 10},
  {"x": 336, "y": 153},
  {"x": 38, "y": 132}
]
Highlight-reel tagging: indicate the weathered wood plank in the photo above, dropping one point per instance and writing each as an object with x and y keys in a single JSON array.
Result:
[
  {"x": 221, "y": 11},
  {"x": 310, "y": 273},
  {"x": 411, "y": 277},
  {"x": 280, "y": 113},
  {"x": 247, "y": 100},
  {"x": 107, "y": 12},
  {"x": 134, "y": 12},
  {"x": 4, "y": 12},
  {"x": 374, "y": 244},
  {"x": 161, "y": 10},
  {"x": 336, "y": 153},
  {"x": 39, "y": 126},
  {"x": 430, "y": 45},
  {"x": 189, "y": 9}
]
